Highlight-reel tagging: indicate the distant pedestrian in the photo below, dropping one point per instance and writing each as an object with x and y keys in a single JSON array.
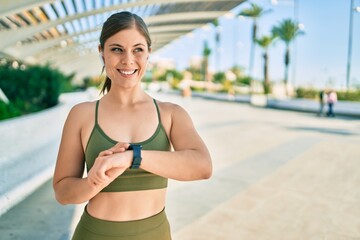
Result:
[
  {"x": 322, "y": 101},
  {"x": 331, "y": 100}
]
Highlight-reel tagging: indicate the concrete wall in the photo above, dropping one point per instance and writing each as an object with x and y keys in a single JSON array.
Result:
[{"x": 28, "y": 150}]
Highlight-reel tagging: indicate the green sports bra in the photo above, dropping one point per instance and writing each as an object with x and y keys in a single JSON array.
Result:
[{"x": 131, "y": 179}]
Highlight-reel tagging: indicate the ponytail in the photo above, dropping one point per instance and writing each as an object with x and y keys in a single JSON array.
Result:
[{"x": 107, "y": 85}]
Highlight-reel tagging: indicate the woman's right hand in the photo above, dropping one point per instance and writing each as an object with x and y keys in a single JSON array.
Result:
[{"x": 109, "y": 165}]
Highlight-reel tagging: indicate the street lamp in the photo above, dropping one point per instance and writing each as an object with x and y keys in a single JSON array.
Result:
[{"x": 348, "y": 68}]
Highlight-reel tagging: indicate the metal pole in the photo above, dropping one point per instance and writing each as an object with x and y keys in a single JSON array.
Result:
[{"x": 348, "y": 68}]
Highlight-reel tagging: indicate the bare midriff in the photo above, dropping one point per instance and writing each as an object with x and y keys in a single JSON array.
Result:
[{"x": 127, "y": 206}]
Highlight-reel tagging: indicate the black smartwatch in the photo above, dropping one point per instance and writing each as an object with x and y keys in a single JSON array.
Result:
[{"x": 135, "y": 164}]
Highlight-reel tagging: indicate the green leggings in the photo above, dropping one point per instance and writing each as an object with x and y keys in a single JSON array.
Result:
[{"x": 154, "y": 227}]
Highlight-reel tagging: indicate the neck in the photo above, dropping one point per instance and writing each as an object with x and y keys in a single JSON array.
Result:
[{"x": 125, "y": 97}]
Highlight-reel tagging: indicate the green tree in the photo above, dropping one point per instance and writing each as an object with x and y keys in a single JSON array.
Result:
[
  {"x": 265, "y": 42},
  {"x": 219, "y": 77},
  {"x": 196, "y": 73},
  {"x": 254, "y": 12},
  {"x": 217, "y": 41},
  {"x": 287, "y": 31},
  {"x": 206, "y": 54},
  {"x": 237, "y": 70}
]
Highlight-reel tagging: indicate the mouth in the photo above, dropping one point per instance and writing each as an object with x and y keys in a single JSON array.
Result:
[{"x": 127, "y": 73}]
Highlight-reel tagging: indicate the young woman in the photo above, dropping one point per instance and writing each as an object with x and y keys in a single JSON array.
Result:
[{"x": 125, "y": 141}]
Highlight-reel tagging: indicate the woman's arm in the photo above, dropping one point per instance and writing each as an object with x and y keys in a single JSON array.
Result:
[
  {"x": 69, "y": 185},
  {"x": 190, "y": 160}
]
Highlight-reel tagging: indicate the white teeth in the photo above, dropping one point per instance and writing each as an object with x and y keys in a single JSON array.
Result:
[{"x": 127, "y": 72}]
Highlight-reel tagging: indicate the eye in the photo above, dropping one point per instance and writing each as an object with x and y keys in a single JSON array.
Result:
[
  {"x": 116, "y": 49},
  {"x": 138, "y": 50}
]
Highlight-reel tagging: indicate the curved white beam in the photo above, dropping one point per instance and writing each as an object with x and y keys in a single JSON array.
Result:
[
  {"x": 12, "y": 7},
  {"x": 32, "y": 49},
  {"x": 164, "y": 18},
  {"x": 20, "y": 34},
  {"x": 184, "y": 16},
  {"x": 61, "y": 55},
  {"x": 173, "y": 26}
]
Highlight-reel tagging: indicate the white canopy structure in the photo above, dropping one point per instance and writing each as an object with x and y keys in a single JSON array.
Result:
[{"x": 66, "y": 32}]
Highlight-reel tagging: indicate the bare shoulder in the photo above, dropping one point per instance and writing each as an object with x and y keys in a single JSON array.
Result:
[
  {"x": 82, "y": 112},
  {"x": 170, "y": 109},
  {"x": 172, "y": 113},
  {"x": 84, "y": 107}
]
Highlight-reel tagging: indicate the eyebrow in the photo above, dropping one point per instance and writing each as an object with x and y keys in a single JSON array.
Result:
[{"x": 119, "y": 45}]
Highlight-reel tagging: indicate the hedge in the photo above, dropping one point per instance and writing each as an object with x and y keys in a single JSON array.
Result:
[
  {"x": 31, "y": 89},
  {"x": 352, "y": 95}
]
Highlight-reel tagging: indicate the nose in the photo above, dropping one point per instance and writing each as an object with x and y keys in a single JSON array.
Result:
[{"x": 127, "y": 59}]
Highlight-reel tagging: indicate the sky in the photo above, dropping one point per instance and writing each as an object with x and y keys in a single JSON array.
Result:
[{"x": 318, "y": 58}]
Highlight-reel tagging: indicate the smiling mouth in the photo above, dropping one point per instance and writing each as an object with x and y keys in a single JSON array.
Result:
[{"x": 127, "y": 72}]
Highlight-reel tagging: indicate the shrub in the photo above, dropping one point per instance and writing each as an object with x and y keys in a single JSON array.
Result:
[
  {"x": 8, "y": 110},
  {"x": 170, "y": 75},
  {"x": 219, "y": 77},
  {"x": 267, "y": 88},
  {"x": 311, "y": 93},
  {"x": 306, "y": 93},
  {"x": 246, "y": 80},
  {"x": 31, "y": 89},
  {"x": 349, "y": 95},
  {"x": 67, "y": 85}
]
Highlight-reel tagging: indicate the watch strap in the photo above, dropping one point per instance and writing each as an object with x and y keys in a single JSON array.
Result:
[{"x": 136, "y": 162}]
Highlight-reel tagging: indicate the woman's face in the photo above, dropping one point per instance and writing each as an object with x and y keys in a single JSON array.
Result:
[{"x": 125, "y": 55}]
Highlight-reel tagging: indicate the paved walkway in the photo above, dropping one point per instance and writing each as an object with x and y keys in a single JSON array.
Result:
[{"x": 277, "y": 175}]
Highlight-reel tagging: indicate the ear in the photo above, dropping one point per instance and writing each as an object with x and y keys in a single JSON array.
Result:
[{"x": 101, "y": 58}]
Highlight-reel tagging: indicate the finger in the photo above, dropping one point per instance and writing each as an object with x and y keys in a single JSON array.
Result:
[
  {"x": 119, "y": 150},
  {"x": 99, "y": 168},
  {"x": 117, "y": 147},
  {"x": 105, "y": 153},
  {"x": 120, "y": 147},
  {"x": 105, "y": 166}
]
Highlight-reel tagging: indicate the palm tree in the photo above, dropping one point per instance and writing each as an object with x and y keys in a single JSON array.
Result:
[
  {"x": 265, "y": 42},
  {"x": 217, "y": 41},
  {"x": 206, "y": 54},
  {"x": 254, "y": 12},
  {"x": 287, "y": 31}
]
